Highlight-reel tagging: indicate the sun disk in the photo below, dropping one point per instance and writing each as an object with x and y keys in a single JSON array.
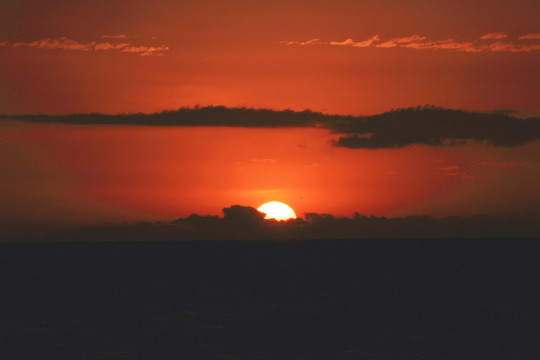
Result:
[{"x": 277, "y": 210}]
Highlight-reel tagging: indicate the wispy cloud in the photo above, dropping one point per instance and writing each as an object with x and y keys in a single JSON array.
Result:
[
  {"x": 3, "y": 43},
  {"x": 65, "y": 43},
  {"x": 400, "y": 41},
  {"x": 535, "y": 36},
  {"x": 487, "y": 43},
  {"x": 510, "y": 47},
  {"x": 120, "y": 36},
  {"x": 449, "y": 168},
  {"x": 495, "y": 35},
  {"x": 454, "y": 170},
  {"x": 368, "y": 42},
  {"x": 146, "y": 50},
  {"x": 351, "y": 42},
  {"x": 508, "y": 164},
  {"x": 302, "y": 43},
  {"x": 342, "y": 43}
]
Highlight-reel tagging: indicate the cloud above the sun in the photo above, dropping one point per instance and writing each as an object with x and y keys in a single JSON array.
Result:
[
  {"x": 112, "y": 42},
  {"x": 491, "y": 42},
  {"x": 429, "y": 126}
]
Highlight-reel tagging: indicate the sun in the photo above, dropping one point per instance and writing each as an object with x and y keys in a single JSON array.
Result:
[{"x": 277, "y": 210}]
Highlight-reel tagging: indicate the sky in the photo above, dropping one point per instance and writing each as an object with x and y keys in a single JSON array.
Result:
[{"x": 357, "y": 59}]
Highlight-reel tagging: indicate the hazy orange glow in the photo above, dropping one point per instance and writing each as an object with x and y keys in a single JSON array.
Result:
[
  {"x": 277, "y": 210},
  {"x": 72, "y": 172},
  {"x": 345, "y": 57}
]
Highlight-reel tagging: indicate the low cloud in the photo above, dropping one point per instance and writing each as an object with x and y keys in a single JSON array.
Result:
[
  {"x": 246, "y": 223},
  {"x": 64, "y": 43},
  {"x": 3, "y": 43},
  {"x": 429, "y": 126},
  {"x": 486, "y": 43},
  {"x": 241, "y": 222}
]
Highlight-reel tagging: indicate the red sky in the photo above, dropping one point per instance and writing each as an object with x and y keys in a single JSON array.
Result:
[
  {"x": 346, "y": 57},
  {"x": 234, "y": 53}
]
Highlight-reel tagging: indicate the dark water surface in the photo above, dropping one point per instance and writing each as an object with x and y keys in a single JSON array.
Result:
[{"x": 376, "y": 299}]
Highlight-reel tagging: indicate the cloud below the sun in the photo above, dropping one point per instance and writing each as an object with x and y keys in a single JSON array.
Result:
[
  {"x": 246, "y": 223},
  {"x": 492, "y": 42},
  {"x": 429, "y": 126}
]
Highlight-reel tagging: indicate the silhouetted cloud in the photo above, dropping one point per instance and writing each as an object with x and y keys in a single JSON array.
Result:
[
  {"x": 64, "y": 43},
  {"x": 430, "y": 126},
  {"x": 435, "y": 127},
  {"x": 246, "y": 223},
  {"x": 420, "y": 42},
  {"x": 198, "y": 116}
]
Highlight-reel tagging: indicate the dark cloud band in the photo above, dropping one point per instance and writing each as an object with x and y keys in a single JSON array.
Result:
[
  {"x": 430, "y": 126},
  {"x": 246, "y": 223},
  {"x": 435, "y": 127}
]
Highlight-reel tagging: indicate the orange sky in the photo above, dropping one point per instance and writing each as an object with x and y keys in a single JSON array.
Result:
[
  {"x": 234, "y": 53},
  {"x": 64, "y": 173},
  {"x": 346, "y": 57}
]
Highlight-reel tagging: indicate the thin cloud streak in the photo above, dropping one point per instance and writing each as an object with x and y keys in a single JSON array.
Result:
[
  {"x": 351, "y": 42},
  {"x": 302, "y": 43},
  {"x": 404, "y": 40},
  {"x": 419, "y": 42},
  {"x": 535, "y": 36},
  {"x": 65, "y": 43},
  {"x": 107, "y": 36},
  {"x": 496, "y": 36}
]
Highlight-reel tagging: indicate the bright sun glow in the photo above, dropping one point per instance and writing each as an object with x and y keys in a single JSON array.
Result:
[{"x": 277, "y": 210}]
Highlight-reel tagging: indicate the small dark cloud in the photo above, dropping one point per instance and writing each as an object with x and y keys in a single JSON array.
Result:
[
  {"x": 430, "y": 126},
  {"x": 246, "y": 223}
]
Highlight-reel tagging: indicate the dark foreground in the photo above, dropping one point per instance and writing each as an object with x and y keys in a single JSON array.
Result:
[{"x": 377, "y": 299}]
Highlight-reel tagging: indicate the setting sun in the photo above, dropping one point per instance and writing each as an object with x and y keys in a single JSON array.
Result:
[{"x": 277, "y": 210}]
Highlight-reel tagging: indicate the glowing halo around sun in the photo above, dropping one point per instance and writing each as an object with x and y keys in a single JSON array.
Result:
[{"x": 277, "y": 210}]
